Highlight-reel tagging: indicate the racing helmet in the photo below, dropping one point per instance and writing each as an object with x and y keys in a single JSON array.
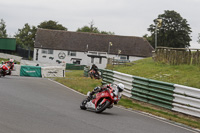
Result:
[
  {"x": 120, "y": 86},
  {"x": 11, "y": 60}
]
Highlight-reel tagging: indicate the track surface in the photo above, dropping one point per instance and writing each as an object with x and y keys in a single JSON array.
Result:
[{"x": 36, "y": 105}]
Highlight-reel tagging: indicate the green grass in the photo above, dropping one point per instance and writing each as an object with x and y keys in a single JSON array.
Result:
[
  {"x": 187, "y": 75},
  {"x": 157, "y": 111},
  {"x": 2, "y": 59},
  {"x": 74, "y": 79}
]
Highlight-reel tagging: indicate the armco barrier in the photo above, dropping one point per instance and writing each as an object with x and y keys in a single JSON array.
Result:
[
  {"x": 186, "y": 100},
  {"x": 167, "y": 95},
  {"x": 107, "y": 76},
  {"x": 152, "y": 91}
]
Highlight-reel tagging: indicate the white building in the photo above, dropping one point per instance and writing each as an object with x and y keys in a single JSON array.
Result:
[{"x": 55, "y": 46}]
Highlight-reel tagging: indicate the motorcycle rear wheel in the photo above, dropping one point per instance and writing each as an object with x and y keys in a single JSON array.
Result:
[{"x": 101, "y": 107}]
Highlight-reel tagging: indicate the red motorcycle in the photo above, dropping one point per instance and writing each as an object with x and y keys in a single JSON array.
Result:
[
  {"x": 102, "y": 100},
  {"x": 4, "y": 69}
]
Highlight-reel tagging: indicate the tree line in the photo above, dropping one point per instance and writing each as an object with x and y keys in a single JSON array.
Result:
[
  {"x": 168, "y": 29},
  {"x": 25, "y": 36}
]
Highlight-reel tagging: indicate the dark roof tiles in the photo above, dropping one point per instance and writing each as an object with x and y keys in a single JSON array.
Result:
[{"x": 78, "y": 41}]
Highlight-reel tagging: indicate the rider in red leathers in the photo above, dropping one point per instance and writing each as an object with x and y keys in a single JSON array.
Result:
[{"x": 118, "y": 88}]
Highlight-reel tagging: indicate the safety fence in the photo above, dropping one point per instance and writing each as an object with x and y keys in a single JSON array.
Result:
[
  {"x": 175, "y": 97},
  {"x": 38, "y": 71},
  {"x": 177, "y": 56}
]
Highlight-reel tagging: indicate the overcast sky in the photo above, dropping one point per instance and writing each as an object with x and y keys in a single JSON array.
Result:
[{"x": 123, "y": 17}]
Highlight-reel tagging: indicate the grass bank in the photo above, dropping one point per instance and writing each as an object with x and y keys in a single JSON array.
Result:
[
  {"x": 74, "y": 79},
  {"x": 187, "y": 75},
  {"x": 2, "y": 59}
]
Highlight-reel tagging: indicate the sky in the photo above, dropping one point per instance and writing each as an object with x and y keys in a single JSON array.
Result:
[{"x": 123, "y": 17}]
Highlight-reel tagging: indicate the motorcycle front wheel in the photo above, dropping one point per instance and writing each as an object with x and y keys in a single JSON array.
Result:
[
  {"x": 101, "y": 107},
  {"x": 83, "y": 103}
]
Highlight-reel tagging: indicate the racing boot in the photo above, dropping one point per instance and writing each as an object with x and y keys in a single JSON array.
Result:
[{"x": 90, "y": 97}]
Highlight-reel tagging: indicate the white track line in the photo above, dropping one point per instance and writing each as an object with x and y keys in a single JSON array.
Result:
[{"x": 141, "y": 113}]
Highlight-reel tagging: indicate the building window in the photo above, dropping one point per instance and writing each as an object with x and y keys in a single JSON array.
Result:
[
  {"x": 47, "y": 51},
  {"x": 92, "y": 59},
  {"x": 100, "y": 60},
  {"x": 44, "y": 51},
  {"x": 71, "y": 53},
  {"x": 76, "y": 62},
  {"x": 50, "y": 51},
  {"x": 123, "y": 57}
]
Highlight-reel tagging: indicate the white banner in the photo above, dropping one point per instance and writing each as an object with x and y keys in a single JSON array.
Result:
[
  {"x": 42, "y": 64},
  {"x": 53, "y": 71}
]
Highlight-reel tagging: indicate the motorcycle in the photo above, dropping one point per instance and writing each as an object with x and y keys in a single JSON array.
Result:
[
  {"x": 93, "y": 74},
  {"x": 103, "y": 100},
  {"x": 4, "y": 70},
  {"x": 10, "y": 66}
]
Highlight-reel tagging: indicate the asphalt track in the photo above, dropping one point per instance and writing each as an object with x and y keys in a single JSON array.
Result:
[{"x": 36, "y": 105}]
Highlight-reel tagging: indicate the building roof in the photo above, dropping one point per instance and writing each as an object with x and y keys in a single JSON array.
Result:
[{"x": 83, "y": 42}]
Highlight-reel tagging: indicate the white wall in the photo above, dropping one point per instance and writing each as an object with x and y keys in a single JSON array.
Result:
[
  {"x": 131, "y": 58},
  {"x": 85, "y": 60}
]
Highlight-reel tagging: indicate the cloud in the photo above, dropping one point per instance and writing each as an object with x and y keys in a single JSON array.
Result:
[{"x": 124, "y": 17}]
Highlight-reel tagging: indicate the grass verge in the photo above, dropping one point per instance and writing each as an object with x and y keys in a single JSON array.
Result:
[
  {"x": 2, "y": 59},
  {"x": 74, "y": 79},
  {"x": 187, "y": 75}
]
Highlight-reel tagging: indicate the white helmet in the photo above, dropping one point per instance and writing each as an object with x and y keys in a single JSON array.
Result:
[{"x": 120, "y": 86}]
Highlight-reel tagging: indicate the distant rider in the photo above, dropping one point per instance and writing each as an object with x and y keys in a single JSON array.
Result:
[{"x": 95, "y": 68}]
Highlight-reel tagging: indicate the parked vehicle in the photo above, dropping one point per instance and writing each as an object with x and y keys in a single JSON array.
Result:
[{"x": 102, "y": 100}]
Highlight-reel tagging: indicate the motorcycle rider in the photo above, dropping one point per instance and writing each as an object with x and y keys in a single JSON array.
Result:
[
  {"x": 11, "y": 63},
  {"x": 95, "y": 68},
  {"x": 117, "y": 89}
]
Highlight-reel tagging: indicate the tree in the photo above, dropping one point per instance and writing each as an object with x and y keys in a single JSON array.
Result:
[
  {"x": 93, "y": 29},
  {"x": 174, "y": 31},
  {"x": 51, "y": 25},
  {"x": 198, "y": 39},
  {"x": 25, "y": 37},
  {"x": 3, "y": 33}
]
